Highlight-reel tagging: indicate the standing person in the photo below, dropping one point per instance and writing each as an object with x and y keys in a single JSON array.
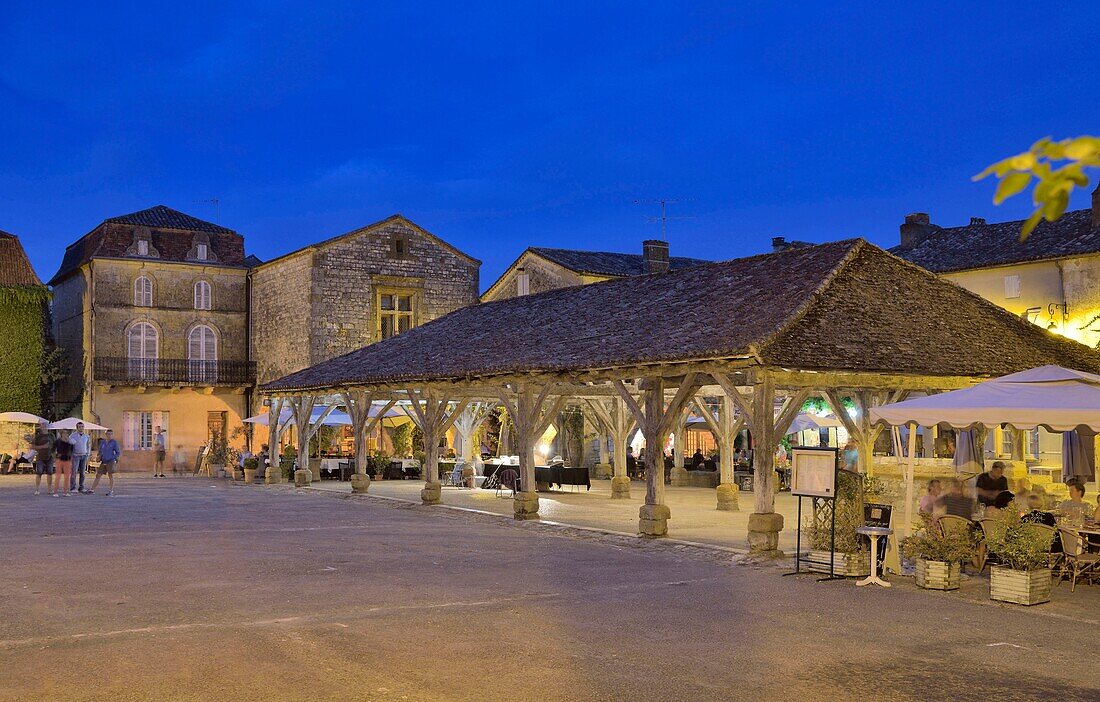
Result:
[
  {"x": 63, "y": 464},
  {"x": 82, "y": 449},
  {"x": 851, "y": 456},
  {"x": 991, "y": 483},
  {"x": 160, "y": 444},
  {"x": 109, "y": 453},
  {"x": 43, "y": 458}
]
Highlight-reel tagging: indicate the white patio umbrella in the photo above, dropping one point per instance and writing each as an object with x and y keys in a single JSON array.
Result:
[
  {"x": 21, "y": 418},
  {"x": 1060, "y": 399},
  {"x": 71, "y": 422}
]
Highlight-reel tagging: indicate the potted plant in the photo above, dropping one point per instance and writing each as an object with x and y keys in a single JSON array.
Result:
[
  {"x": 251, "y": 467},
  {"x": 939, "y": 556},
  {"x": 1023, "y": 576},
  {"x": 850, "y": 554}
]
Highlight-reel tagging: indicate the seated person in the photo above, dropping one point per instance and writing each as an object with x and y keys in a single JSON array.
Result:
[
  {"x": 1075, "y": 507},
  {"x": 697, "y": 460},
  {"x": 928, "y": 502},
  {"x": 991, "y": 483},
  {"x": 955, "y": 502},
  {"x": 1037, "y": 515},
  {"x": 1002, "y": 502}
]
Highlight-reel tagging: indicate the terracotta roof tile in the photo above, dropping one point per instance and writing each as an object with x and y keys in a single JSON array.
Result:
[
  {"x": 15, "y": 268},
  {"x": 608, "y": 263}
]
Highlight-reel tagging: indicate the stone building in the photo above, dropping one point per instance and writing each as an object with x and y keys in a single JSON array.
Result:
[
  {"x": 23, "y": 316},
  {"x": 151, "y": 309},
  {"x": 343, "y": 293},
  {"x": 1052, "y": 279},
  {"x": 539, "y": 269}
]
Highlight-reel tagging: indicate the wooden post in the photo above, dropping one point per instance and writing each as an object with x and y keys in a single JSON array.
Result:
[
  {"x": 358, "y": 404},
  {"x": 725, "y": 429},
  {"x": 467, "y": 424},
  {"x": 531, "y": 415},
  {"x": 274, "y": 473},
  {"x": 618, "y": 422},
  {"x": 679, "y": 441},
  {"x": 302, "y": 409},
  {"x": 656, "y": 420},
  {"x": 434, "y": 420}
]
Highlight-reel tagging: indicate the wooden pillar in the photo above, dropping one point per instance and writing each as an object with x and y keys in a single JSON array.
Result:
[
  {"x": 358, "y": 404},
  {"x": 274, "y": 473},
  {"x": 656, "y": 420},
  {"x": 302, "y": 409},
  {"x": 531, "y": 411},
  {"x": 725, "y": 428},
  {"x": 618, "y": 421},
  {"x": 430, "y": 412}
]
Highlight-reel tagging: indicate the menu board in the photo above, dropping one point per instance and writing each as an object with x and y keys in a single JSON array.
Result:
[{"x": 813, "y": 472}]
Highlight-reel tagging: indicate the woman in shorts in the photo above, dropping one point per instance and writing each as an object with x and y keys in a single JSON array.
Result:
[{"x": 62, "y": 464}]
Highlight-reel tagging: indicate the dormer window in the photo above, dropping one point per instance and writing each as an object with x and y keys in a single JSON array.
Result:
[
  {"x": 200, "y": 248},
  {"x": 142, "y": 244},
  {"x": 143, "y": 248},
  {"x": 201, "y": 252}
]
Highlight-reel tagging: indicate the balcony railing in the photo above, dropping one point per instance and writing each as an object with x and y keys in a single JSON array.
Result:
[{"x": 173, "y": 371}]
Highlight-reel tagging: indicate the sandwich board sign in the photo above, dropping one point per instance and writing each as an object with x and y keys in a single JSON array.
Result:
[{"x": 813, "y": 472}]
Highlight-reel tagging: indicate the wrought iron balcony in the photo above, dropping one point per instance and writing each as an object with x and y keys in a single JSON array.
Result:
[{"x": 172, "y": 371}]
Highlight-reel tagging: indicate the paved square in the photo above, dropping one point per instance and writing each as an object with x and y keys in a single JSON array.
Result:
[{"x": 192, "y": 589}]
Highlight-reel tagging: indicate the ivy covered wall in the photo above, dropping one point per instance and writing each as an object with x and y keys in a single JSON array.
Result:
[{"x": 22, "y": 352}]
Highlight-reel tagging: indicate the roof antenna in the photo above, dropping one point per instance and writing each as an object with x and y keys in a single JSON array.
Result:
[
  {"x": 663, "y": 218},
  {"x": 217, "y": 207}
]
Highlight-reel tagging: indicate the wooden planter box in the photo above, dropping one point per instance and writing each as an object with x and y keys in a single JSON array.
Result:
[
  {"x": 938, "y": 575},
  {"x": 1026, "y": 587},
  {"x": 849, "y": 565},
  {"x": 250, "y": 475}
]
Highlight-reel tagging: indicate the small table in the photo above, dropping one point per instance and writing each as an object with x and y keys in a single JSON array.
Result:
[{"x": 873, "y": 533}]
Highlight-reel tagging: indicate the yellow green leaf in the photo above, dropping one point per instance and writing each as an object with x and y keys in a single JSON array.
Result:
[
  {"x": 1029, "y": 224},
  {"x": 1010, "y": 185}
]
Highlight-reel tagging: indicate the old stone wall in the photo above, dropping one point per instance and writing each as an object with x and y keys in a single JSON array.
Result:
[
  {"x": 542, "y": 275},
  {"x": 173, "y": 312},
  {"x": 281, "y": 309},
  {"x": 67, "y": 312}
]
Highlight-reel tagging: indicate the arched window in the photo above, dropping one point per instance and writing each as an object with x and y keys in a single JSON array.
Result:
[
  {"x": 143, "y": 292},
  {"x": 141, "y": 349},
  {"x": 202, "y": 355},
  {"x": 202, "y": 295}
]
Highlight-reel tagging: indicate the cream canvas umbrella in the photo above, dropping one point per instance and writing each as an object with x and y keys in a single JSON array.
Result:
[
  {"x": 71, "y": 423},
  {"x": 21, "y": 418}
]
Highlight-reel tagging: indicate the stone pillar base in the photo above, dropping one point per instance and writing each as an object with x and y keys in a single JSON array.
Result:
[
  {"x": 525, "y": 505},
  {"x": 620, "y": 488},
  {"x": 431, "y": 494},
  {"x": 764, "y": 531},
  {"x": 360, "y": 482},
  {"x": 273, "y": 476},
  {"x": 653, "y": 520},
  {"x": 679, "y": 476},
  {"x": 727, "y": 497},
  {"x": 602, "y": 470},
  {"x": 303, "y": 477}
]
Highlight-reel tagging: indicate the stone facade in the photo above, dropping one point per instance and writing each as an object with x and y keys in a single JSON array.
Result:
[
  {"x": 97, "y": 302},
  {"x": 542, "y": 275},
  {"x": 325, "y": 300}
]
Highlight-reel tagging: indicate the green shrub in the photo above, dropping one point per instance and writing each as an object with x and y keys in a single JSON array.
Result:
[
  {"x": 1019, "y": 545},
  {"x": 931, "y": 544}
]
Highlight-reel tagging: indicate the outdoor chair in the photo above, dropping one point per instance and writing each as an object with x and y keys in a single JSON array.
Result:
[
  {"x": 1076, "y": 562},
  {"x": 984, "y": 556},
  {"x": 1052, "y": 537},
  {"x": 950, "y": 524}
]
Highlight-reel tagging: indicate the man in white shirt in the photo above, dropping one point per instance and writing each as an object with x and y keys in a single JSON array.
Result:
[
  {"x": 82, "y": 448},
  {"x": 160, "y": 445}
]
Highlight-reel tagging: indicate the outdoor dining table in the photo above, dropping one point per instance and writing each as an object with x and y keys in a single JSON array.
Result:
[{"x": 340, "y": 467}]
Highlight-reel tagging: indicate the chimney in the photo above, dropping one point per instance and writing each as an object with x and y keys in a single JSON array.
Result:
[
  {"x": 523, "y": 282},
  {"x": 977, "y": 221},
  {"x": 915, "y": 229},
  {"x": 655, "y": 256},
  {"x": 1096, "y": 208},
  {"x": 779, "y": 243}
]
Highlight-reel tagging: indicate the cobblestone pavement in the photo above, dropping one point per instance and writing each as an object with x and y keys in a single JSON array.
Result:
[{"x": 193, "y": 589}]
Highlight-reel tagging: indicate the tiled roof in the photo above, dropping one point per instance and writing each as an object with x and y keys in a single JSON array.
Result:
[
  {"x": 845, "y": 305},
  {"x": 981, "y": 245},
  {"x": 172, "y": 237},
  {"x": 15, "y": 268},
  {"x": 162, "y": 217},
  {"x": 607, "y": 263}
]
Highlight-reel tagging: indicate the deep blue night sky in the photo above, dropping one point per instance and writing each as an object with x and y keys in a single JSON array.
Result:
[{"x": 498, "y": 126}]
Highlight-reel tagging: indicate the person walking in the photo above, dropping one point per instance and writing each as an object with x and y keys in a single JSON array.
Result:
[
  {"x": 160, "y": 444},
  {"x": 82, "y": 449},
  {"x": 43, "y": 458},
  {"x": 62, "y": 463},
  {"x": 109, "y": 452}
]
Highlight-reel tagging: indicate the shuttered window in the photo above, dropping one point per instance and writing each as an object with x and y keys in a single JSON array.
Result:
[
  {"x": 202, "y": 355},
  {"x": 138, "y": 429},
  {"x": 202, "y": 295},
  {"x": 143, "y": 292},
  {"x": 141, "y": 349}
]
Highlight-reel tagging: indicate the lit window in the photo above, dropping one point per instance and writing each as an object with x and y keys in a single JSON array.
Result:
[
  {"x": 138, "y": 429},
  {"x": 143, "y": 292},
  {"x": 396, "y": 313},
  {"x": 202, "y": 295}
]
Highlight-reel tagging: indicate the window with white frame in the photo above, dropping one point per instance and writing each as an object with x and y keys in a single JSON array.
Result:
[
  {"x": 201, "y": 251},
  {"x": 1012, "y": 287},
  {"x": 138, "y": 429},
  {"x": 202, "y": 295},
  {"x": 141, "y": 350},
  {"x": 202, "y": 355},
  {"x": 143, "y": 247},
  {"x": 143, "y": 292}
]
